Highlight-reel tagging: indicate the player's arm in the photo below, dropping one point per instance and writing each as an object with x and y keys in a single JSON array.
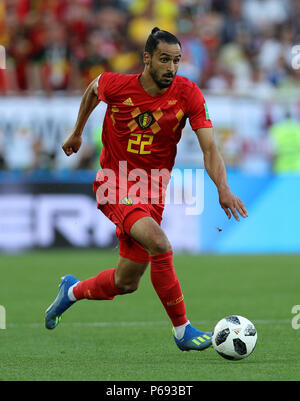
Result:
[
  {"x": 88, "y": 102},
  {"x": 215, "y": 168}
]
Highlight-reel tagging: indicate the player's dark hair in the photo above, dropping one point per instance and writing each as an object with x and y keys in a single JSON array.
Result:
[{"x": 157, "y": 36}]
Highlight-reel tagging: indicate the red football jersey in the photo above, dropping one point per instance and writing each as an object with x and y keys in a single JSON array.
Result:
[{"x": 142, "y": 131}]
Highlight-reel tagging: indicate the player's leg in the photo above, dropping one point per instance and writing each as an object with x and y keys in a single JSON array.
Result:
[
  {"x": 108, "y": 283},
  {"x": 166, "y": 284},
  {"x": 128, "y": 274},
  {"x": 104, "y": 286},
  {"x": 122, "y": 279},
  {"x": 163, "y": 276}
]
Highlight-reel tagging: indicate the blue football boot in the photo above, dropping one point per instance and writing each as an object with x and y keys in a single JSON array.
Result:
[
  {"x": 194, "y": 339},
  {"x": 61, "y": 302}
]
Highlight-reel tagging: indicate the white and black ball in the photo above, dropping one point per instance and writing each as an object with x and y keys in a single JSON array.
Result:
[{"x": 234, "y": 337}]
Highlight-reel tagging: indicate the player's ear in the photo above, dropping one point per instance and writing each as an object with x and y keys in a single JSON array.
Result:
[{"x": 147, "y": 58}]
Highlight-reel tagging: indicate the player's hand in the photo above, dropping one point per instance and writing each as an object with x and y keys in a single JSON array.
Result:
[
  {"x": 72, "y": 144},
  {"x": 231, "y": 204}
]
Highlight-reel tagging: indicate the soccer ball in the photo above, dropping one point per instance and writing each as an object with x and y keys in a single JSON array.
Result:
[{"x": 234, "y": 337}]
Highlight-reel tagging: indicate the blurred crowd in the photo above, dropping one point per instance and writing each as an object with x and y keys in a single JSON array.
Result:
[
  {"x": 231, "y": 47},
  {"x": 240, "y": 46}
]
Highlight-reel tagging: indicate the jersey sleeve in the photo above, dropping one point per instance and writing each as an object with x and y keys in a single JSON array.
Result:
[
  {"x": 106, "y": 86},
  {"x": 197, "y": 110}
]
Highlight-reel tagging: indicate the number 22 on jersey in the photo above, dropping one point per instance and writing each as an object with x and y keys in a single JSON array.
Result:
[{"x": 137, "y": 143}]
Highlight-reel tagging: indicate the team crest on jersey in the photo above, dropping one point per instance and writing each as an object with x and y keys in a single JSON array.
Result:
[{"x": 145, "y": 120}]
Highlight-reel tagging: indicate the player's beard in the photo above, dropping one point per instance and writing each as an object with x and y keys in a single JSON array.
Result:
[{"x": 160, "y": 80}]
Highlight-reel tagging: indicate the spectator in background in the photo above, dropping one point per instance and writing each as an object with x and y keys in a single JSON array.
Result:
[
  {"x": 91, "y": 62},
  {"x": 50, "y": 42},
  {"x": 194, "y": 61},
  {"x": 286, "y": 138},
  {"x": 235, "y": 21},
  {"x": 289, "y": 87},
  {"x": 265, "y": 13},
  {"x": 57, "y": 60},
  {"x": 294, "y": 18},
  {"x": 230, "y": 47},
  {"x": 19, "y": 148},
  {"x": 233, "y": 56},
  {"x": 145, "y": 14}
]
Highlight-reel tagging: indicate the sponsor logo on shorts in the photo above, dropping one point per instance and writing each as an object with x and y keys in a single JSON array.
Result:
[{"x": 127, "y": 201}]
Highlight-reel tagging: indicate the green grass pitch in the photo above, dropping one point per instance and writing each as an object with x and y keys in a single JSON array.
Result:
[{"x": 130, "y": 337}]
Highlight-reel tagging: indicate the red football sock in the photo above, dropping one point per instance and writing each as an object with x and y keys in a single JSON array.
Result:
[
  {"x": 167, "y": 287},
  {"x": 101, "y": 286}
]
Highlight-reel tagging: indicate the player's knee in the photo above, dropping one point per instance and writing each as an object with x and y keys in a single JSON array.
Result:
[
  {"x": 127, "y": 284},
  {"x": 127, "y": 288},
  {"x": 160, "y": 245},
  {"x": 128, "y": 275}
]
